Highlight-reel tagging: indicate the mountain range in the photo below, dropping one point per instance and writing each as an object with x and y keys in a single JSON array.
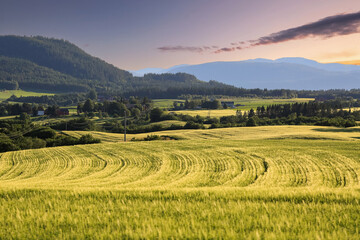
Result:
[{"x": 287, "y": 73}]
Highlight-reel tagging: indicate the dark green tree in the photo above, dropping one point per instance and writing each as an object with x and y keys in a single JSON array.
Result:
[{"x": 156, "y": 114}]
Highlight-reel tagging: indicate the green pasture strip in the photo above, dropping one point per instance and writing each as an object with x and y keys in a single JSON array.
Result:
[{"x": 8, "y": 93}]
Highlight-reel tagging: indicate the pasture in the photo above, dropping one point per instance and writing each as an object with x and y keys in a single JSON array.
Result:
[
  {"x": 208, "y": 113},
  {"x": 246, "y": 105},
  {"x": 8, "y": 93},
  {"x": 280, "y": 182}
]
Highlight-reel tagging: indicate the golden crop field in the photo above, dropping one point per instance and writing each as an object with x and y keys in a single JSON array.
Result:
[
  {"x": 239, "y": 133},
  {"x": 281, "y": 182},
  {"x": 206, "y": 113},
  {"x": 246, "y": 105}
]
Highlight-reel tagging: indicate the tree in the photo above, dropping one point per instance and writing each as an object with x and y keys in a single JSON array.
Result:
[
  {"x": 135, "y": 112},
  {"x": 92, "y": 94},
  {"x": 51, "y": 111},
  {"x": 251, "y": 113},
  {"x": 24, "y": 116},
  {"x": 6, "y": 144},
  {"x": 156, "y": 114},
  {"x": 251, "y": 122},
  {"x": 88, "y": 106},
  {"x": 215, "y": 104}
]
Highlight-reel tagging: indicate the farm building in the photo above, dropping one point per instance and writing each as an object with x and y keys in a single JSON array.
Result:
[
  {"x": 62, "y": 112},
  {"x": 229, "y": 104},
  {"x": 40, "y": 113}
]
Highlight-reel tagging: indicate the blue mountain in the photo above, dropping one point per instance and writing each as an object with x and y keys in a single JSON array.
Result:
[{"x": 289, "y": 73}]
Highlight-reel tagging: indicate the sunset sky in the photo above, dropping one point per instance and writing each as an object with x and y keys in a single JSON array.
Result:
[{"x": 137, "y": 34}]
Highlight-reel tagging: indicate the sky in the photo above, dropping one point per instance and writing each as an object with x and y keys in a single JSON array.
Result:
[{"x": 136, "y": 34}]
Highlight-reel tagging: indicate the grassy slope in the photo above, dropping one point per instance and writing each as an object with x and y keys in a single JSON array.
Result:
[
  {"x": 205, "y": 113},
  {"x": 242, "y": 133},
  {"x": 247, "y": 104},
  {"x": 165, "y": 103},
  {"x": 6, "y": 94},
  {"x": 264, "y": 182}
]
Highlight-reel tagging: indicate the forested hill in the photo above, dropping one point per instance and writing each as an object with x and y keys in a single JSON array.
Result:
[
  {"x": 61, "y": 56},
  {"x": 18, "y": 73},
  {"x": 46, "y": 64}
]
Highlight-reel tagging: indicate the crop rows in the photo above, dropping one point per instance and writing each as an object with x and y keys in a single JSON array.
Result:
[
  {"x": 272, "y": 188},
  {"x": 184, "y": 164}
]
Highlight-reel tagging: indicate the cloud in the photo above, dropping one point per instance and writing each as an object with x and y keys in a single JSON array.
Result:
[
  {"x": 227, "y": 49},
  {"x": 183, "y": 49},
  {"x": 337, "y": 25}
]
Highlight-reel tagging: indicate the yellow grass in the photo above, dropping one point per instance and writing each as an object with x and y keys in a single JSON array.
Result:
[
  {"x": 281, "y": 182},
  {"x": 240, "y": 133},
  {"x": 205, "y": 113}
]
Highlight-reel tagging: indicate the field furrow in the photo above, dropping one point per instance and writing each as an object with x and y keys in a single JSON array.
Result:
[{"x": 184, "y": 164}]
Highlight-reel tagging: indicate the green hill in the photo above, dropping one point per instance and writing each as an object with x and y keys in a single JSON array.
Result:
[
  {"x": 18, "y": 73},
  {"x": 39, "y": 63},
  {"x": 62, "y": 56}
]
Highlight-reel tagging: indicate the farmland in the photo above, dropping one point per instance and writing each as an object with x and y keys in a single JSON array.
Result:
[
  {"x": 275, "y": 182},
  {"x": 208, "y": 113},
  {"x": 245, "y": 104},
  {"x": 6, "y": 94},
  {"x": 242, "y": 133}
]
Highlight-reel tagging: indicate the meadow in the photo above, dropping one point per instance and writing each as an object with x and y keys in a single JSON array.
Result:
[
  {"x": 8, "y": 93},
  {"x": 245, "y": 105},
  {"x": 275, "y": 182}
]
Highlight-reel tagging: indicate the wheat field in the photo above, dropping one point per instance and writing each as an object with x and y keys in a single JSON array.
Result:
[{"x": 252, "y": 183}]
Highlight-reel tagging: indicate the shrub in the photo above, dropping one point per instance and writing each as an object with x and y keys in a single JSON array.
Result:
[
  {"x": 88, "y": 139},
  {"x": 43, "y": 133}
]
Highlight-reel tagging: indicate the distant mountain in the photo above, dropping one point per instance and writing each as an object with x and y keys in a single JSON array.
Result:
[
  {"x": 353, "y": 62},
  {"x": 332, "y": 67},
  {"x": 142, "y": 72},
  {"x": 288, "y": 73}
]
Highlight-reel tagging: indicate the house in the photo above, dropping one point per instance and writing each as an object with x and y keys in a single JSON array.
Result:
[
  {"x": 62, "y": 112},
  {"x": 228, "y": 104},
  {"x": 40, "y": 113}
]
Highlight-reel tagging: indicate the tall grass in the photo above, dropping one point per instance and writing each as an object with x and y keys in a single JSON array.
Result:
[{"x": 275, "y": 187}]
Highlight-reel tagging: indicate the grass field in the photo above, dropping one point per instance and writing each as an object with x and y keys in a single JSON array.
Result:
[
  {"x": 280, "y": 182},
  {"x": 246, "y": 105},
  {"x": 241, "y": 133},
  {"x": 165, "y": 103},
  {"x": 258, "y": 102},
  {"x": 205, "y": 113},
  {"x": 8, "y": 93}
]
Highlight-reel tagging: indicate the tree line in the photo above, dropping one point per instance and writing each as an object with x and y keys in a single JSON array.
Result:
[{"x": 21, "y": 133}]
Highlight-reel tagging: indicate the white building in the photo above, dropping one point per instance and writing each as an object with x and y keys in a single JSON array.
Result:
[{"x": 41, "y": 113}]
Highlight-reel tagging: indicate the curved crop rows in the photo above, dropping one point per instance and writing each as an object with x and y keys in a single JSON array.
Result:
[{"x": 185, "y": 164}]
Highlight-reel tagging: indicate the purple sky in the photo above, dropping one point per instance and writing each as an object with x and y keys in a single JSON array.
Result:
[{"x": 135, "y": 34}]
